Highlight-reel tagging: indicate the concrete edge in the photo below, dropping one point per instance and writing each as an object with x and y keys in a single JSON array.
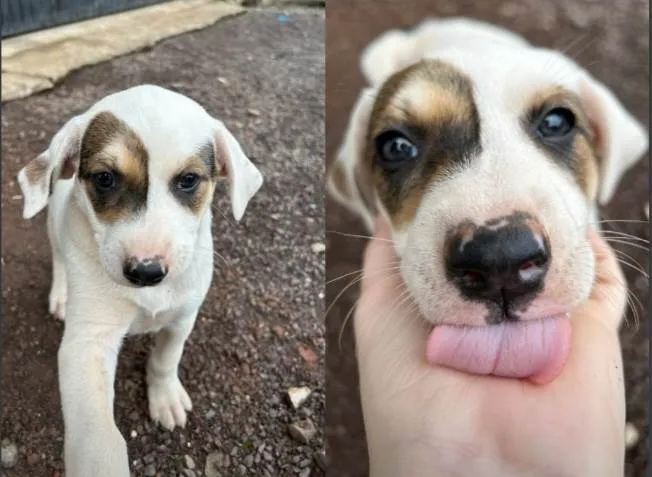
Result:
[{"x": 35, "y": 62}]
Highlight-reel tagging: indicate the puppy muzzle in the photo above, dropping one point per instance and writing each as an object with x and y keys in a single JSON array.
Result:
[{"x": 503, "y": 261}]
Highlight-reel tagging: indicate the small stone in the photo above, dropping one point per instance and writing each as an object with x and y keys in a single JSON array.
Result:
[
  {"x": 223, "y": 80},
  {"x": 318, "y": 247},
  {"x": 133, "y": 434},
  {"x": 253, "y": 112},
  {"x": 210, "y": 414},
  {"x": 631, "y": 435},
  {"x": 298, "y": 395},
  {"x": 189, "y": 473},
  {"x": 190, "y": 464},
  {"x": 249, "y": 460},
  {"x": 214, "y": 462},
  {"x": 302, "y": 431},
  {"x": 150, "y": 470},
  {"x": 9, "y": 454},
  {"x": 308, "y": 355},
  {"x": 32, "y": 459},
  {"x": 320, "y": 458},
  {"x": 278, "y": 330},
  {"x": 305, "y": 472}
]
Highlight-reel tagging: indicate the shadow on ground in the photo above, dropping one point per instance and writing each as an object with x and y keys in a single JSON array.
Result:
[
  {"x": 260, "y": 330},
  {"x": 611, "y": 40}
]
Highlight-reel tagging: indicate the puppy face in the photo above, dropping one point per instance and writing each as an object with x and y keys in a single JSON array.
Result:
[
  {"x": 144, "y": 163},
  {"x": 487, "y": 164}
]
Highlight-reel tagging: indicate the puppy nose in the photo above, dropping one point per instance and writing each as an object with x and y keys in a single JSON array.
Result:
[
  {"x": 498, "y": 264},
  {"x": 144, "y": 272}
]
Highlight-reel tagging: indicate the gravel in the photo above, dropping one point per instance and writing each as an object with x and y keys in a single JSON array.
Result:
[{"x": 260, "y": 330}]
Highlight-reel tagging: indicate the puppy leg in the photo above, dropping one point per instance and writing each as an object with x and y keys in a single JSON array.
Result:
[
  {"x": 93, "y": 445},
  {"x": 168, "y": 400},
  {"x": 59, "y": 288}
]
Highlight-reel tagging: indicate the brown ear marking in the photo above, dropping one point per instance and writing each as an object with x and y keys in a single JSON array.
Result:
[{"x": 434, "y": 100}]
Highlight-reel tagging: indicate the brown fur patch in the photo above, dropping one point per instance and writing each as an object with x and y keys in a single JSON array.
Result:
[
  {"x": 109, "y": 145},
  {"x": 581, "y": 155},
  {"x": 204, "y": 165},
  {"x": 434, "y": 102}
]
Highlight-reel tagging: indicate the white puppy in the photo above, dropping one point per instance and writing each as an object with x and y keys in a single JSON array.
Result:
[
  {"x": 487, "y": 156},
  {"x": 129, "y": 185}
]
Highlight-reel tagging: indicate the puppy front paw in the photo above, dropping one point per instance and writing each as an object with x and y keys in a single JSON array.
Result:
[
  {"x": 168, "y": 402},
  {"x": 57, "y": 301}
]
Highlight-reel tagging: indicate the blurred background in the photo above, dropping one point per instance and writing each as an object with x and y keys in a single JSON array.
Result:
[{"x": 610, "y": 39}]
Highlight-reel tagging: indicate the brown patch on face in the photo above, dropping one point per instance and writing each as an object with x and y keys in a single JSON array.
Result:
[
  {"x": 110, "y": 146},
  {"x": 431, "y": 103},
  {"x": 204, "y": 166},
  {"x": 579, "y": 152}
]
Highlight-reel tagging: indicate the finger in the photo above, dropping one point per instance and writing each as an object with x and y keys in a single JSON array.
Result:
[
  {"x": 380, "y": 261},
  {"x": 609, "y": 294}
]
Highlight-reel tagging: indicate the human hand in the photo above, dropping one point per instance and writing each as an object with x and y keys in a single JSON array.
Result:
[{"x": 424, "y": 420}]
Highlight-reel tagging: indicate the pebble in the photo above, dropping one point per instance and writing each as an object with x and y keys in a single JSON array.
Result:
[
  {"x": 9, "y": 454},
  {"x": 298, "y": 395},
  {"x": 302, "y": 431},
  {"x": 189, "y": 473},
  {"x": 320, "y": 458},
  {"x": 249, "y": 460},
  {"x": 631, "y": 435},
  {"x": 32, "y": 459},
  {"x": 305, "y": 472},
  {"x": 150, "y": 470},
  {"x": 214, "y": 463},
  {"x": 190, "y": 464},
  {"x": 318, "y": 247},
  {"x": 253, "y": 112}
]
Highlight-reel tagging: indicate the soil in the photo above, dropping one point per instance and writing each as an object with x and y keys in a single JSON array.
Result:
[
  {"x": 260, "y": 330},
  {"x": 609, "y": 39}
]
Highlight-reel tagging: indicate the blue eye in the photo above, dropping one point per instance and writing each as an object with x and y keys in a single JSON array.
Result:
[
  {"x": 104, "y": 181},
  {"x": 394, "y": 149},
  {"x": 557, "y": 123},
  {"x": 188, "y": 182}
]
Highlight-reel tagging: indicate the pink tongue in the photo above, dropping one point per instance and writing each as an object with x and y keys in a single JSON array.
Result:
[{"x": 535, "y": 350}]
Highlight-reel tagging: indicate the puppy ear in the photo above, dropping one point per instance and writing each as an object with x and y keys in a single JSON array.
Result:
[
  {"x": 620, "y": 138},
  {"x": 347, "y": 182},
  {"x": 59, "y": 161},
  {"x": 244, "y": 178},
  {"x": 398, "y": 49}
]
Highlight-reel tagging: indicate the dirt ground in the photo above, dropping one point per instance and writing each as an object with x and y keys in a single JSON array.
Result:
[
  {"x": 611, "y": 40},
  {"x": 260, "y": 330}
]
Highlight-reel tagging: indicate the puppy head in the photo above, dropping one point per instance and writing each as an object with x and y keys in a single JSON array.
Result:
[
  {"x": 145, "y": 162},
  {"x": 487, "y": 160}
]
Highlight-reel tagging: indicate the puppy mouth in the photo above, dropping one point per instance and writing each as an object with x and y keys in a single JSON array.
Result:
[{"x": 535, "y": 350}]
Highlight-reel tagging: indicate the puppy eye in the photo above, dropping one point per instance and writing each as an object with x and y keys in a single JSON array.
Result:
[
  {"x": 557, "y": 123},
  {"x": 394, "y": 148},
  {"x": 104, "y": 181},
  {"x": 188, "y": 182}
]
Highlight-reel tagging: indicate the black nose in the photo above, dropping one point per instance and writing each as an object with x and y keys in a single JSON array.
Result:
[
  {"x": 498, "y": 265},
  {"x": 144, "y": 273}
]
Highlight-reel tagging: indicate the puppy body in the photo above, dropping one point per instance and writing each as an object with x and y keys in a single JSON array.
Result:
[{"x": 129, "y": 185}]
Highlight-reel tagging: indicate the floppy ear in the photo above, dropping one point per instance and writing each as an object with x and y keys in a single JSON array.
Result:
[
  {"x": 620, "y": 138},
  {"x": 244, "y": 178},
  {"x": 59, "y": 161},
  {"x": 347, "y": 181},
  {"x": 398, "y": 49}
]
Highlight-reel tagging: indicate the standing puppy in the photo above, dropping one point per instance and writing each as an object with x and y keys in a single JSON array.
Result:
[{"x": 129, "y": 184}]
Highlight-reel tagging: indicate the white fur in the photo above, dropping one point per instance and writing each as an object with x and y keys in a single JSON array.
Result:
[
  {"x": 99, "y": 305},
  {"x": 510, "y": 173}
]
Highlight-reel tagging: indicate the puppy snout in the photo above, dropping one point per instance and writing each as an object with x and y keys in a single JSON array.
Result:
[
  {"x": 145, "y": 272},
  {"x": 498, "y": 263}
]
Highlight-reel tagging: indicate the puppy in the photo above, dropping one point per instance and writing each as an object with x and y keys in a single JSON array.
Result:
[
  {"x": 129, "y": 185},
  {"x": 488, "y": 157}
]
